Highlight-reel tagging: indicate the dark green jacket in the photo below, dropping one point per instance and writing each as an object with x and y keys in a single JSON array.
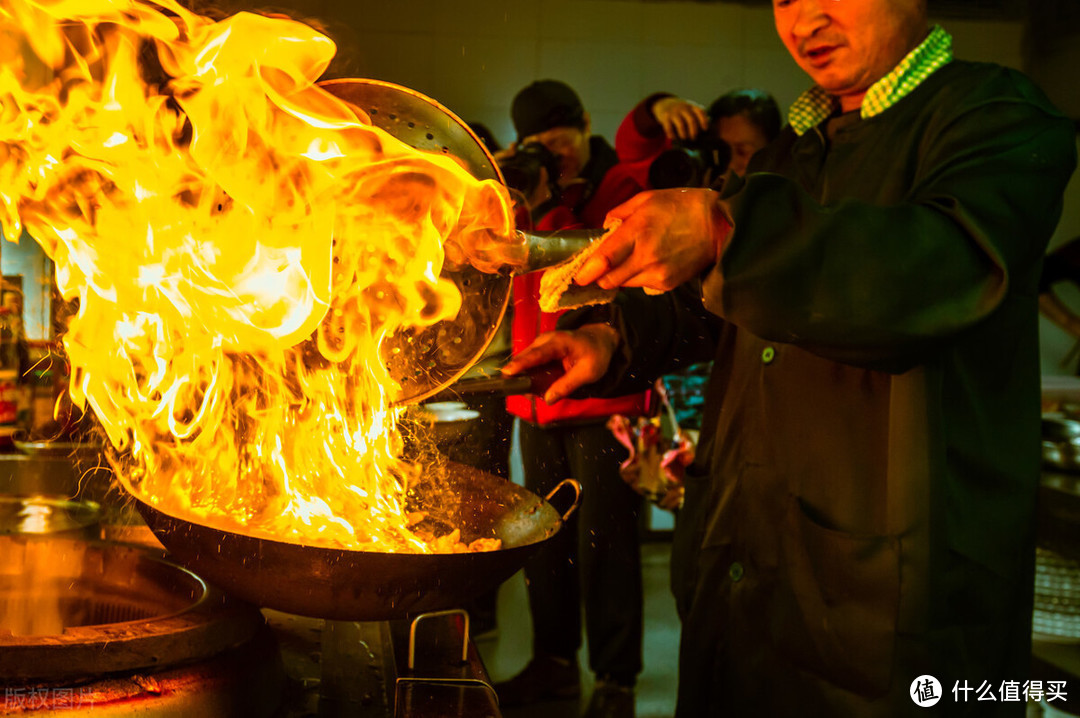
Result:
[{"x": 862, "y": 508}]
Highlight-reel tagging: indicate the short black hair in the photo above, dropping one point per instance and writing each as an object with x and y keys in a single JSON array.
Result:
[
  {"x": 545, "y": 105},
  {"x": 758, "y": 106}
]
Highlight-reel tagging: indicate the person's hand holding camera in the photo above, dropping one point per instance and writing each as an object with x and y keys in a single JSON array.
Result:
[
  {"x": 681, "y": 119},
  {"x": 696, "y": 156}
]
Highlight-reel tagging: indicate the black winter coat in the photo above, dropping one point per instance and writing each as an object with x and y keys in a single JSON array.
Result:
[{"x": 862, "y": 509}]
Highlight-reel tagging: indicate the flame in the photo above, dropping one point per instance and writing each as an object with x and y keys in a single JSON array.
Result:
[{"x": 240, "y": 242}]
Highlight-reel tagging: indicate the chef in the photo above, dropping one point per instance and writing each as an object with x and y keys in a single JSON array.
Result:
[{"x": 860, "y": 519}]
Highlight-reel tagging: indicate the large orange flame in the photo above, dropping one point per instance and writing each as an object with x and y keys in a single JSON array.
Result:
[{"x": 240, "y": 242}]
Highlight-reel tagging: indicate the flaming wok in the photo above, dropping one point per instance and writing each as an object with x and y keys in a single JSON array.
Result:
[
  {"x": 347, "y": 584},
  {"x": 369, "y": 586}
]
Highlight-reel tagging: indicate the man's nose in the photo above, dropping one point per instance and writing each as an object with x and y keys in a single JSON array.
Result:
[{"x": 812, "y": 16}]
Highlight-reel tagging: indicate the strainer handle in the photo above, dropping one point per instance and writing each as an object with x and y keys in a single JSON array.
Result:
[{"x": 546, "y": 249}]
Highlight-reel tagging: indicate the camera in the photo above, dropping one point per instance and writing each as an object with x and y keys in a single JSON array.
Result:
[
  {"x": 522, "y": 170},
  {"x": 690, "y": 163}
]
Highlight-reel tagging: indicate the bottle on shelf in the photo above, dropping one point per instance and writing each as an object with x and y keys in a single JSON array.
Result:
[{"x": 9, "y": 377}]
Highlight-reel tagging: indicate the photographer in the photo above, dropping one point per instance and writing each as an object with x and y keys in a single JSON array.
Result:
[
  {"x": 571, "y": 179},
  {"x": 674, "y": 142},
  {"x": 532, "y": 173}
]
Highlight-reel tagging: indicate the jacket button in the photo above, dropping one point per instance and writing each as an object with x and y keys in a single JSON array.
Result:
[
  {"x": 735, "y": 572},
  {"x": 767, "y": 355}
]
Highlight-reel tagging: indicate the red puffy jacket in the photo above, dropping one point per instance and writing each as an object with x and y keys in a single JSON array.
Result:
[{"x": 621, "y": 182}]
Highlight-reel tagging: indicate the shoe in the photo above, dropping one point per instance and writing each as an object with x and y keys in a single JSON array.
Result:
[
  {"x": 546, "y": 678},
  {"x": 611, "y": 700}
]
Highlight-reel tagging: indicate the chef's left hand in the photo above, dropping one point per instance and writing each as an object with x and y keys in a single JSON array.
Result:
[
  {"x": 584, "y": 353},
  {"x": 660, "y": 240}
]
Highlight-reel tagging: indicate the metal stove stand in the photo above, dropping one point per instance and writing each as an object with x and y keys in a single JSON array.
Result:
[{"x": 427, "y": 667}]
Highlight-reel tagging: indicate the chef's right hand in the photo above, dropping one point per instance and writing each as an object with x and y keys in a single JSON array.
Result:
[
  {"x": 658, "y": 240},
  {"x": 584, "y": 353}
]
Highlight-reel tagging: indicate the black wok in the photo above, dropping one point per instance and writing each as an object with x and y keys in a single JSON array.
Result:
[{"x": 352, "y": 585}]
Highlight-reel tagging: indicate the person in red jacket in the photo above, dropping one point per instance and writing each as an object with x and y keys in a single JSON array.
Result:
[
  {"x": 596, "y": 559},
  {"x": 721, "y": 140}
]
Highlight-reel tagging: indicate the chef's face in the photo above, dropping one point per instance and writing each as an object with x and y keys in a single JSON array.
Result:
[{"x": 848, "y": 45}]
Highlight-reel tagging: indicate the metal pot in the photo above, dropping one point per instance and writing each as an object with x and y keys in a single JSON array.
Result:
[
  {"x": 351, "y": 585},
  {"x": 49, "y": 515},
  {"x": 446, "y": 422}
]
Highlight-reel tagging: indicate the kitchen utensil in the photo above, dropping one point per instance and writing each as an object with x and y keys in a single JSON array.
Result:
[
  {"x": 445, "y": 422},
  {"x": 354, "y": 585},
  {"x": 49, "y": 515},
  {"x": 535, "y": 381},
  {"x": 426, "y": 359},
  {"x": 74, "y": 450}
]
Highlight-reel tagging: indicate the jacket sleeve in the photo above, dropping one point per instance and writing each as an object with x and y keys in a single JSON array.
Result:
[
  {"x": 881, "y": 286},
  {"x": 660, "y": 334},
  {"x": 640, "y": 137}
]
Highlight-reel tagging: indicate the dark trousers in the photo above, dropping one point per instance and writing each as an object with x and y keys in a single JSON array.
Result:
[{"x": 595, "y": 559}]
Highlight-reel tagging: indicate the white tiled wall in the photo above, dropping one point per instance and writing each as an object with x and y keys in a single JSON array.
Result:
[{"x": 474, "y": 55}]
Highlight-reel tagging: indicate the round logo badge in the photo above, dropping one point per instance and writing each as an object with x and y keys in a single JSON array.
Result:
[{"x": 925, "y": 691}]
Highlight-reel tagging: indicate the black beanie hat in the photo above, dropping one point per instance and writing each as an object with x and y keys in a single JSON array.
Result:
[{"x": 546, "y": 104}]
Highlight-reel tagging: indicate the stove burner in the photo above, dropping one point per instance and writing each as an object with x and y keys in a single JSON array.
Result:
[
  {"x": 72, "y": 609},
  {"x": 134, "y": 634}
]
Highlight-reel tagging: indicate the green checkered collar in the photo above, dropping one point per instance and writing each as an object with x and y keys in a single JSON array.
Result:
[{"x": 815, "y": 104}]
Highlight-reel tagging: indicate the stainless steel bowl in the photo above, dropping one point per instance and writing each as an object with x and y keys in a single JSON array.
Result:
[
  {"x": 49, "y": 515},
  {"x": 447, "y": 422}
]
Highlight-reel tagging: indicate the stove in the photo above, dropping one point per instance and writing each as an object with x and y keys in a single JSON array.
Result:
[
  {"x": 132, "y": 634},
  {"x": 424, "y": 668}
]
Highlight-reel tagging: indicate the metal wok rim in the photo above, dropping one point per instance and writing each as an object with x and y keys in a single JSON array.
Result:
[
  {"x": 356, "y": 585},
  {"x": 145, "y": 507}
]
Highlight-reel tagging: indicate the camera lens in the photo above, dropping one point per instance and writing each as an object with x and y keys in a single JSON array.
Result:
[
  {"x": 676, "y": 168},
  {"x": 523, "y": 169}
]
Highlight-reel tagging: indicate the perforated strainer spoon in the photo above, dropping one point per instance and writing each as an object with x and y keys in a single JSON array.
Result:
[{"x": 427, "y": 359}]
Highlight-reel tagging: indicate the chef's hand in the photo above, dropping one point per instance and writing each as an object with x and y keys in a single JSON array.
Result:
[
  {"x": 681, "y": 119},
  {"x": 584, "y": 354},
  {"x": 660, "y": 239}
]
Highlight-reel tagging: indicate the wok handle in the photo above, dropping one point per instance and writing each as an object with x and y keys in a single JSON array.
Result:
[
  {"x": 534, "y": 381},
  {"x": 572, "y": 483}
]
